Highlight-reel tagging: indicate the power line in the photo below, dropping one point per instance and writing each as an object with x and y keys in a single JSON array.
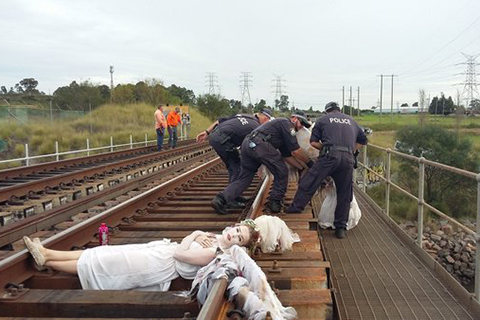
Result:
[
  {"x": 470, "y": 84},
  {"x": 245, "y": 81},
  {"x": 279, "y": 87},
  {"x": 211, "y": 82}
]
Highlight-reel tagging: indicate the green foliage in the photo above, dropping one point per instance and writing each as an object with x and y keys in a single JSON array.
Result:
[
  {"x": 80, "y": 96},
  {"x": 259, "y": 105},
  {"x": 441, "y": 105},
  {"x": 213, "y": 106},
  {"x": 186, "y": 96},
  {"x": 126, "y": 93},
  {"x": 475, "y": 104},
  {"x": 282, "y": 104},
  {"x": 442, "y": 188}
]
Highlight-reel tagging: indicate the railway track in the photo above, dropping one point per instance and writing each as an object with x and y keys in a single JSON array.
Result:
[
  {"x": 18, "y": 184},
  {"x": 171, "y": 210},
  {"x": 73, "y": 212}
]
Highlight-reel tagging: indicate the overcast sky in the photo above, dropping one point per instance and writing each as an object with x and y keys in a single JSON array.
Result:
[{"x": 316, "y": 46}]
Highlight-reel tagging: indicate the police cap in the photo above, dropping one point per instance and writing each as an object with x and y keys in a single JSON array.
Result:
[
  {"x": 267, "y": 112},
  {"x": 302, "y": 118},
  {"x": 331, "y": 105}
]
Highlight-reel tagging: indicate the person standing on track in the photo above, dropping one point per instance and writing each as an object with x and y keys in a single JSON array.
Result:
[
  {"x": 270, "y": 144},
  {"x": 160, "y": 125},
  {"x": 338, "y": 137},
  {"x": 173, "y": 120}
]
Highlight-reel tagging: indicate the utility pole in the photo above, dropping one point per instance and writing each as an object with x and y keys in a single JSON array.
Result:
[
  {"x": 245, "y": 81},
  {"x": 381, "y": 95},
  {"x": 211, "y": 82},
  {"x": 391, "y": 103},
  {"x": 111, "y": 80},
  {"x": 279, "y": 88},
  {"x": 51, "y": 114},
  {"x": 358, "y": 101},
  {"x": 343, "y": 99},
  {"x": 350, "y": 101}
]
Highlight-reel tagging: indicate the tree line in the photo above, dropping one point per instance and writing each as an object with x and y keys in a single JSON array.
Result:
[{"x": 87, "y": 95}]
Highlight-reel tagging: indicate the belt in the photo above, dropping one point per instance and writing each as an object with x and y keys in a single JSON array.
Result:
[
  {"x": 330, "y": 148},
  {"x": 261, "y": 135}
]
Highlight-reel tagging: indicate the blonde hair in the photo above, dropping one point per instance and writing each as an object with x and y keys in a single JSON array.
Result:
[{"x": 275, "y": 234}]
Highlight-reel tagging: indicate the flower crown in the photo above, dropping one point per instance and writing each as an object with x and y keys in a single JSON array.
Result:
[{"x": 251, "y": 223}]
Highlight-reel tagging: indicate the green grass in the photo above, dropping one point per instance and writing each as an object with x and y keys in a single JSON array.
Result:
[
  {"x": 118, "y": 121},
  {"x": 384, "y": 129}
]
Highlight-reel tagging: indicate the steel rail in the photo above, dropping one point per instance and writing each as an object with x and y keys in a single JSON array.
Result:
[
  {"x": 25, "y": 170},
  {"x": 45, "y": 220},
  {"x": 17, "y": 268},
  {"x": 22, "y": 189}
]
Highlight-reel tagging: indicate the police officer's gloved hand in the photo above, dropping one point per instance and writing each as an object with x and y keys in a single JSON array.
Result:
[{"x": 355, "y": 162}]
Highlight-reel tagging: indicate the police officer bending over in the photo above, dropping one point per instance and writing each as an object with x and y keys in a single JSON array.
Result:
[
  {"x": 337, "y": 136},
  {"x": 226, "y": 135},
  {"x": 270, "y": 144}
]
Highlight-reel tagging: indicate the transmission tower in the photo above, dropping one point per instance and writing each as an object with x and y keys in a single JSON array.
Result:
[
  {"x": 211, "y": 82},
  {"x": 245, "y": 81},
  {"x": 279, "y": 87},
  {"x": 111, "y": 78},
  {"x": 470, "y": 84}
]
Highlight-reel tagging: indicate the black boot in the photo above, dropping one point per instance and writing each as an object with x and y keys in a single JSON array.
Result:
[
  {"x": 242, "y": 199},
  {"x": 340, "y": 233},
  {"x": 273, "y": 206},
  {"x": 235, "y": 205},
  {"x": 219, "y": 204}
]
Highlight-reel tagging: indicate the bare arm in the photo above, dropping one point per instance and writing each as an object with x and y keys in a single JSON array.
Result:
[
  {"x": 316, "y": 144},
  {"x": 199, "y": 257},
  {"x": 293, "y": 162},
  {"x": 202, "y": 136},
  {"x": 359, "y": 146}
]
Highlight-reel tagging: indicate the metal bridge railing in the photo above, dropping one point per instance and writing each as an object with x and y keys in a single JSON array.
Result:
[
  {"x": 422, "y": 162},
  {"x": 57, "y": 155}
]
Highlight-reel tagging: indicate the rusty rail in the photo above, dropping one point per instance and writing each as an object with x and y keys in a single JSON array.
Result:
[
  {"x": 44, "y": 220},
  {"x": 22, "y": 189}
]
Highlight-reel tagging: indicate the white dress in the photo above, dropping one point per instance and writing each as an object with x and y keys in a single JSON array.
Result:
[{"x": 149, "y": 267}]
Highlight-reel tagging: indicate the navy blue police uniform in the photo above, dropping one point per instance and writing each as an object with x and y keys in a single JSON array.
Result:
[
  {"x": 227, "y": 136},
  {"x": 267, "y": 145},
  {"x": 339, "y": 134}
]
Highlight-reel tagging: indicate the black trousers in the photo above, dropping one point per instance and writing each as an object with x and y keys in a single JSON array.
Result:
[
  {"x": 227, "y": 152},
  {"x": 338, "y": 165},
  {"x": 252, "y": 158}
]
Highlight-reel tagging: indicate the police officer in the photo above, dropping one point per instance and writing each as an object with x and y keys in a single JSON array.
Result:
[
  {"x": 337, "y": 136},
  {"x": 226, "y": 135},
  {"x": 270, "y": 144}
]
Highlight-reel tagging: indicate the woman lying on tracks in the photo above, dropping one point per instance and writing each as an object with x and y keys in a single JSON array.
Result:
[{"x": 152, "y": 266}]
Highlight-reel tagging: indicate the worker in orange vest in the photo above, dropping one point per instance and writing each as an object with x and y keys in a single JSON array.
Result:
[{"x": 173, "y": 120}]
